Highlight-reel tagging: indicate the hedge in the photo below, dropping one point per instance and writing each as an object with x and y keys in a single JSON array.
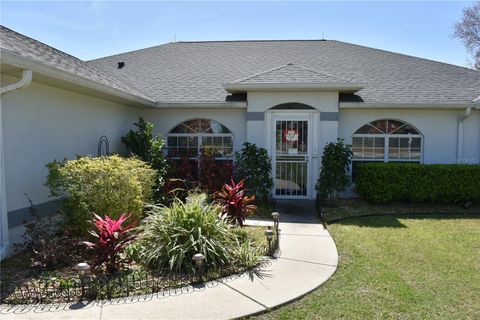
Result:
[{"x": 443, "y": 183}]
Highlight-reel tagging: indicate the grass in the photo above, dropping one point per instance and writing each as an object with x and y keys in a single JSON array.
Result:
[{"x": 405, "y": 267}]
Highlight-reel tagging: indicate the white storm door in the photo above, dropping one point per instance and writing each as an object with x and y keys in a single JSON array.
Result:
[{"x": 291, "y": 157}]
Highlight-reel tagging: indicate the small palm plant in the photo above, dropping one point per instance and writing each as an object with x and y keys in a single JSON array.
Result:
[
  {"x": 112, "y": 239},
  {"x": 236, "y": 206},
  {"x": 171, "y": 236}
]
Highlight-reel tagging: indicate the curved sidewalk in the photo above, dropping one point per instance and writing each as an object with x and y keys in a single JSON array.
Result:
[{"x": 308, "y": 257}]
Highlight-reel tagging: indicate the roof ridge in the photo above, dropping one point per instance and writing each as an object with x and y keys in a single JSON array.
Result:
[
  {"x": 203, "y": 41},
  {"x": 250, "y": 40}
]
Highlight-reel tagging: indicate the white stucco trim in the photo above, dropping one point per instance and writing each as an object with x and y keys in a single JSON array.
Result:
[
  {"x": 241, "y": 87},
  {"x": 10, "y": 58},
  {"x": 201, "y": 105},
  {"x": 426, "y": 106}
]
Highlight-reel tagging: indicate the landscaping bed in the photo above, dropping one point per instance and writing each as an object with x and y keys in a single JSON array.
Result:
[
  {"x": 140, "y": 223},
  {"x": 23, "y": 283}
]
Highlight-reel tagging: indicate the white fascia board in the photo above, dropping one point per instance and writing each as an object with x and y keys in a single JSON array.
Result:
[
  {"x": 432, "y": 105},
  {"x": 19, "y": 61},
  {"x": 201, "y": 105},
  {"x": 241, "y": 87}
]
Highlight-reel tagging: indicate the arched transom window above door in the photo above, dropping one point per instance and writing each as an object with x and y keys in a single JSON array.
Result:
[
  {"x": 387, "y": 140},
  {"x": 193, "y": 138}
]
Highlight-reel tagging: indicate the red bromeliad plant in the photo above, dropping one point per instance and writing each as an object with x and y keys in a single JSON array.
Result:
[
  {"x": 235, "y": 204},
  {"x": 112, "y": 239}
]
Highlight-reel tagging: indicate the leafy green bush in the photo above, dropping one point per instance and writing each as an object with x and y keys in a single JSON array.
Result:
[
  {"x": 170, "y": 236},
  {"x": 106, "y": 185},
  {"x": 445, "y": 183},
  {"x": 336, "y": 160},
  {"x": 144, "y": 144},
  {"x": 253, "y": 165}
]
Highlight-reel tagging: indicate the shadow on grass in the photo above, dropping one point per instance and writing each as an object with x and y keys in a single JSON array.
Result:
[{"x": 393, "y": 220}]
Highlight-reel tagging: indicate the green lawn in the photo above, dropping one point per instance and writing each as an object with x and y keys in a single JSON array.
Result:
[{"x": 406, "y": 267}]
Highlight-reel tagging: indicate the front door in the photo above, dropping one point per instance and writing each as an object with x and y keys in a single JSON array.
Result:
[{"x": 291, "y": 158}]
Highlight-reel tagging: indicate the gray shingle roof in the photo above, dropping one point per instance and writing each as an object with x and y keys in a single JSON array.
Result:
[
  {"x": 291, "y": 73},
  {"x": 35, "y": 50},
  {"x": 195, "y": 71}
]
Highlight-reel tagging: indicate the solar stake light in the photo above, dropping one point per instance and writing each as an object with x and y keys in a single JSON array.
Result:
[
  {"x": 275, "y": 216},
  {"x": 199, "y": 263},
  {"x": 269, "y": 235},
  {"x": 82, "y": 269}
]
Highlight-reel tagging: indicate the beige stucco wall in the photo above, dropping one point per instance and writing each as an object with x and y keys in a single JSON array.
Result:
[
  {"x": 43, "y": 123},
  {"x": 439, "y": 129}
]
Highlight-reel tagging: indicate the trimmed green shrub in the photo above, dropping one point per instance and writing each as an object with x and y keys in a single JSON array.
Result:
[
  {"x": 253, "y": 165},
  {"x": 106, "y": 185},
  {"x": 336, "y": 160},
  {"x": 171, "y": 236},
  {"x": 444, "y": 183}
]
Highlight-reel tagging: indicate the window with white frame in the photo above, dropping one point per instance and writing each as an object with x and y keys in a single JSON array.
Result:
[
  {"x": 197, "y": 137},
  {"x": 386, "y": 140}
]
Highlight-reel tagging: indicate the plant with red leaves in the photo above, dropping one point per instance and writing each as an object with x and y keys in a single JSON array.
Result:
[
  {"x": 235, "y": 204},
  {"x": 113, "y": 238},
  {"x": 214, "y": 173}
]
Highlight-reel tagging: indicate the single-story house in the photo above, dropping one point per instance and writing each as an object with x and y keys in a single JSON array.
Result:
[{"x": 291, "y": 97}]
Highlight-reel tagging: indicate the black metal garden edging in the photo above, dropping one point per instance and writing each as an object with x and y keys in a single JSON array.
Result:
[{"x": 91, "y": 286}]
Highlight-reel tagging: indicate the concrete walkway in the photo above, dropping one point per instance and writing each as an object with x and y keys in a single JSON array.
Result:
[{"x": 308, "y": 257}]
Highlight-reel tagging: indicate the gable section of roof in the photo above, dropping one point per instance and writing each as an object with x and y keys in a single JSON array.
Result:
[{"x": 291, "y": 73}]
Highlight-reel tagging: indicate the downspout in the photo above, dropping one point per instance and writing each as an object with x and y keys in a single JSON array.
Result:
[
  {"x": 4, "y": 233},
  {"x": 468, "y": 111},
  {"x": 22, "y": 83}
]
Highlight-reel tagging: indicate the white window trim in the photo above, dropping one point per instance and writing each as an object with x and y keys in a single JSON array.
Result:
[
  {"x": 200, "y": 143},
  {"x": 386, "y": 137}
]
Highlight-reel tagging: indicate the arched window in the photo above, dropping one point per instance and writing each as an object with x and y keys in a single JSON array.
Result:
[
  {"x": 197, "y": 137},
  {"x": 388, "y": 141}
]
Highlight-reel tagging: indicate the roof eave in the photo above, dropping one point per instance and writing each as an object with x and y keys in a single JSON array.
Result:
[
  {"x": 200, "y": 105},
  {"x": 14, "y": 59},
  {"x": 243, "y": 87},
  {"x": 389, "y": 105}
]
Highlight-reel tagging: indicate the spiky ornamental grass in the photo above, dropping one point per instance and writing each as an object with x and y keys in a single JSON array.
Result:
[{"x": 170, "y": 236}]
